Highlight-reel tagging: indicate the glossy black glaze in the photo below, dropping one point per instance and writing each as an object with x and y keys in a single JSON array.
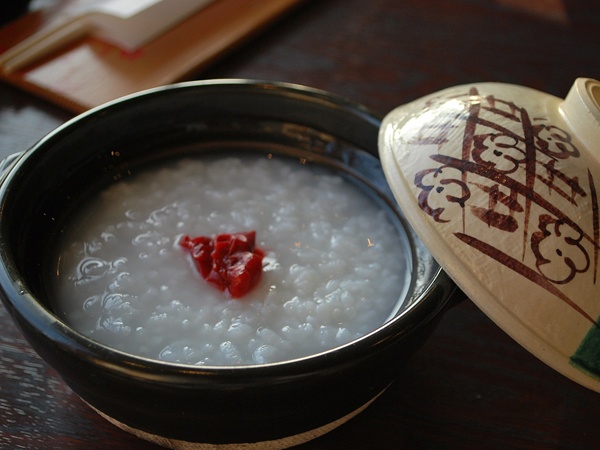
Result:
[{"x": 203, "y": 404}]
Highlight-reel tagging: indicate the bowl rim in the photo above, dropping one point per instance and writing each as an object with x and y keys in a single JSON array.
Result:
[{"x": 23, "y": 305}]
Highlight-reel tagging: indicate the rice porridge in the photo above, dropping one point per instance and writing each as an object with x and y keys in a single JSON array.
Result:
[{"x": 331, "y": 270}]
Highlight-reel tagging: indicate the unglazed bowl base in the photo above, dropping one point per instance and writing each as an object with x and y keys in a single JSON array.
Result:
[{"x": 278, "y": 444}]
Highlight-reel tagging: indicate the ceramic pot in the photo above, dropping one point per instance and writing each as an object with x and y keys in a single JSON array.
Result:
[
  {"x": 499, "y": 185},
  {"x": 181, "y": 406}
]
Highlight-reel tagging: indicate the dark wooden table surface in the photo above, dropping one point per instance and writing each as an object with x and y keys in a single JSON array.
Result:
[{"x": 471, "y": 386}]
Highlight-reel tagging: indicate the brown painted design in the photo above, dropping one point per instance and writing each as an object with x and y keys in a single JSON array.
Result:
[{"x": 511, "y": 176}]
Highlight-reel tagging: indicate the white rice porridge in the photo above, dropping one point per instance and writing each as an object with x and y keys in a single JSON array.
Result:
[{"x": 333, "y": 268}]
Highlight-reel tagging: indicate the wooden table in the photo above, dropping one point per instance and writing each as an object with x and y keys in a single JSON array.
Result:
[{"x": 471, "y": 386}]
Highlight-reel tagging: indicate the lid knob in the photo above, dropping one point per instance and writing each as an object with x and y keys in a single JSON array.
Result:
[{"x": 581, "y": 111}]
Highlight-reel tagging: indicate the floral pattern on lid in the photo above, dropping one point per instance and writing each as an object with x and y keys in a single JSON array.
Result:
[{"x": 501, "y": 183}]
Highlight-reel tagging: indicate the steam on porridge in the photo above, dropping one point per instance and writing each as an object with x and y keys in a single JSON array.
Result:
[{"x": 331, "y": 270}]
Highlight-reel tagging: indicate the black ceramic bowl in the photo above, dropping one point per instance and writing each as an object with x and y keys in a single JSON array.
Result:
[{"x": 287, "y": 402}]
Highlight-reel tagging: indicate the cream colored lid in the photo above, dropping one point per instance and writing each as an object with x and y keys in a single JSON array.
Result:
[{"x": 501, "y": 183}]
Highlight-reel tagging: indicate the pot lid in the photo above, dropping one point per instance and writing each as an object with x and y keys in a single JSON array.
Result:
[{"x": 501, "y": 183}]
